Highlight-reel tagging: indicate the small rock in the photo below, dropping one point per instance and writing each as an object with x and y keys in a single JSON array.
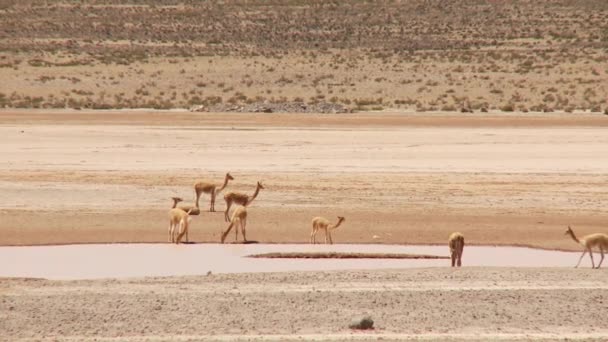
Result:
[{"x": 363, "y": 323}]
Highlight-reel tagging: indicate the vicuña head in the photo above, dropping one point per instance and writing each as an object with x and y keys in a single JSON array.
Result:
[
  {"x": 569, "y": 231},
  {"x": 176, "y": 200},
  {"x": 260, "y": 185},
  {"x": 341, "y": 219}
]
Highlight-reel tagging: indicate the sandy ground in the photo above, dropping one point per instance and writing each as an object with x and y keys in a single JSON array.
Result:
[
  {"x": 78, "y": 177},
  {"x": 433, "y": 304},
  {"x": 74, "y": 177}
]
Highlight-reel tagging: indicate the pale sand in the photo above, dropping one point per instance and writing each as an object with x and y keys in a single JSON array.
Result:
[
  {"x": 398, "y": 179},
  {"x": 96, "y": 177},
  {"x": 432, "y": 304}
]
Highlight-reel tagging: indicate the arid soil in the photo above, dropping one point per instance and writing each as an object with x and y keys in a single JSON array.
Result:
[
  {"x": 433, "y": 304},
  {"x": 513, "y": 179},
  {"x": 414, "y": 55},
  {"x": 485, "y": 117}
]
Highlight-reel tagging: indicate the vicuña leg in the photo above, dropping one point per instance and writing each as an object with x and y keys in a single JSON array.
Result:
[
  {"x": 171, "y": 232},
  {"x": 460, "y": 250},
  {"x": 228, "y": 205},
  {"x": 581, "y": 258},
  {"x": 212, "y": 206},
  {"x": 183, "y": 230},
  {"x": 313, "y": 234},
  {"x": 175, "y": 232},
  {"x": 225, "y": 233},
  {"x": 591, "y": 256},
  {"x": 460, "y": 259},
  {"x": 602, "y": 259},
  {"x": 236, "y": 230},
  {"x": 331, "y": 242},
  {"x": 198, "y": 195},
  {"x": 243, "y": 227}
]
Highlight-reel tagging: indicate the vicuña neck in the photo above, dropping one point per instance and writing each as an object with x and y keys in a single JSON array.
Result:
[
  {"x": 226, "y": 180},
  {"x": 255, "y": 194},
  {"x": 337, "y": 224},
  {"x": 574, "y": 236}
]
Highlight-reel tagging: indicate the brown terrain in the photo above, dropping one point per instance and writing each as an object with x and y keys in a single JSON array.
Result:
[
  {"x": 306, "y": 56},
  {"x": 440, "y": 304},
  {"x": 504, "y": 179},
  {"x": 413, "y": 119}
]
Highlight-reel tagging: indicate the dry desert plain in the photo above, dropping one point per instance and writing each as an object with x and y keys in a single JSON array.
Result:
[
  {"x": 504, "y": 179},
  {"x": 502, "y": 172},
  {"x": 501, "y": 179},
  {"x": 234, "y": 55}
]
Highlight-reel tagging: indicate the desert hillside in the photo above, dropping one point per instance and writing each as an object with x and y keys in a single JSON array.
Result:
[{"x": 305, "y": 55}]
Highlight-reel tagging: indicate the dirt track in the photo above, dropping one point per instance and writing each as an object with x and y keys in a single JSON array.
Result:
[
  {"x": 502, "y": 179},
  {"x": 470, "y": 304}
]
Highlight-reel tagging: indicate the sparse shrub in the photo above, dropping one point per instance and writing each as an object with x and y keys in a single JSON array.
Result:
[
  {"x": 368, "y": 102},
  {"x": 507, "y": 108}
]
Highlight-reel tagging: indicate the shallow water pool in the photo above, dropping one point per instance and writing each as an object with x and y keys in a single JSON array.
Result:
[{"x": 94, "y": 261}]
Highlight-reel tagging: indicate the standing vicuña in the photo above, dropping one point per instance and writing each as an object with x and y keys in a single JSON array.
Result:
[
  {"x": 456, "y": 243},
  {"x": 598, "y": 240},
  {"x": 239, "y": 218},
  {"x": 240, "y": 198},
  {"x": 321, "y": 223},
  {"x": 178, "y": 220},
  {"x": 190, "y": 209},
  {"x": 210, "y": 188}
]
